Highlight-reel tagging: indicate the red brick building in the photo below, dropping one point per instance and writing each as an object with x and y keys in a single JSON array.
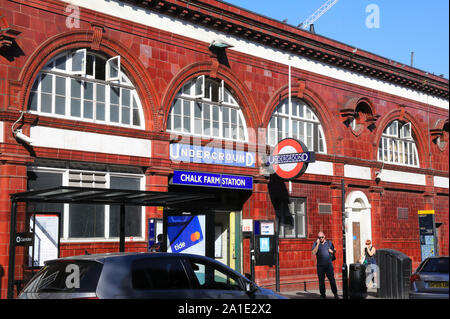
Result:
[{"x": 111, "y": 93}]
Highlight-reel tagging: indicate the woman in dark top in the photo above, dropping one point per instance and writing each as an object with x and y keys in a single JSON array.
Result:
[{"x": 368, "y": 259}]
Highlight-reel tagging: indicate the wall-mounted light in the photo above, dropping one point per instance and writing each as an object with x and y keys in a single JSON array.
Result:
[{"x": 219, "y": 43}]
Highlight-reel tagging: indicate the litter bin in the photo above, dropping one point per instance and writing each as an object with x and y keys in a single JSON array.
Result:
[{"x": 357, "y": 282}]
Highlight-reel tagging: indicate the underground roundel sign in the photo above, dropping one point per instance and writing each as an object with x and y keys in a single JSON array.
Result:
[{"x": 290, "y": 158}]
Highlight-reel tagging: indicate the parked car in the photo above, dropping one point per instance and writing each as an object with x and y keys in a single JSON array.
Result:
[
  {"x": 141, "y": 275},
  {"x": 430, "y": 280}
]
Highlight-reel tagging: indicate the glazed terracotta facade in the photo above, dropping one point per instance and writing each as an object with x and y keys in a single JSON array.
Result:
[{"x": 159, "y": 63}]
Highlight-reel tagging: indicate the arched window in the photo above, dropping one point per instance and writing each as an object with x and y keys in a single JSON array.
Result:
[
  {"x": 86, "y": 86},
  {"x": 298, "y": 122},
  {"x": 397, "y": 145},
  {"x": 205, "y": 107}
]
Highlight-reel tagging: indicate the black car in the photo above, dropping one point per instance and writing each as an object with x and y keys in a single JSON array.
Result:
[{"x": 141, "y": 275}]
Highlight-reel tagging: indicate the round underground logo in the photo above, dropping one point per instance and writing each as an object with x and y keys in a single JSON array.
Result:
[{"x": 290, "y": 158}]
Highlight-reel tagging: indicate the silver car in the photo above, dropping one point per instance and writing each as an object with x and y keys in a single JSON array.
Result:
[
  {"x": 430, "y": 280},
  {"x": 141, "y": 275}
]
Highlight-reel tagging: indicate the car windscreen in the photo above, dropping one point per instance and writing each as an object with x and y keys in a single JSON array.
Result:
[
  {"x": 72, "y": 276},
  {"x": 436, "y": 265}
]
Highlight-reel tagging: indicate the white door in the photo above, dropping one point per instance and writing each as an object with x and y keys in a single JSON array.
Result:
[{"x": 358, "y": 224}]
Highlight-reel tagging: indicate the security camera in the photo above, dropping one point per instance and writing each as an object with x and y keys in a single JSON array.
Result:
[{"x": 20, "y": 136}]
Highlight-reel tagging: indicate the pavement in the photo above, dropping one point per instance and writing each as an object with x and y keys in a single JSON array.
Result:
[{"x": 315, "y": 294}]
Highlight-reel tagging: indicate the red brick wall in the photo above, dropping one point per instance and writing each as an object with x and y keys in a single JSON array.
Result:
[{"x": 259, "y": 85}]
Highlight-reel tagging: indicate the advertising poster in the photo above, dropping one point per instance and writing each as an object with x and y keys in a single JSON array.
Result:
[
  {"x": 46, "y": 239},
  {"x": 186, "y": 234}
]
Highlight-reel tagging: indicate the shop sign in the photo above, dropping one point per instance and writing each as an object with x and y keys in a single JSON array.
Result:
[
  {"x": 210, "y": 155},
  {"x": 290, "y": 158},
  {"x": 212, "y": 180}
]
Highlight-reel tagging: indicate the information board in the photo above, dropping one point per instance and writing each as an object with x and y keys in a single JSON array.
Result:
[{"x": 427, "y": 231}]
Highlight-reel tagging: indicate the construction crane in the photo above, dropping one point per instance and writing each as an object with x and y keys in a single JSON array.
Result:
[{"x": 316, "y": 15}]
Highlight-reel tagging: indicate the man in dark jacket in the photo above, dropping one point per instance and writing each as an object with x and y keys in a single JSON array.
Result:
[{"x": 324, "y": 250}]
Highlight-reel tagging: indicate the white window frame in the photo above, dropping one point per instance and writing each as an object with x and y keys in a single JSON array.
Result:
[
  {"x": 199, "y": 86},
  {"x": 124, "y": 84},
  {"x": 82, "y": 72},
  {"x": 284, "y": 116},
  {"x": 188, "y": 94},
  {"x": 66, "y": 212},
  {"x": 296, "y": 213},
  {"x": 109, "y": 66},
  {"x": 396, "y": 147}
]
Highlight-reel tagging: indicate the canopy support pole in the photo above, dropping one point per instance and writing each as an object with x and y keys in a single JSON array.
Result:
[{"x": 122, "y": 228}]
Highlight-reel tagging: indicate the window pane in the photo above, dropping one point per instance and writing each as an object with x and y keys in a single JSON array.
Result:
[
  {"x": 133, "y": 216},
  {"x": 207, "y": 119},
  {"x": 114, "y": 107},
  {"x": 88, "y": 91},
  {"x": 75, "y": 107},
  {"x": 88, "y": 111},
  {"x": 43, "y": 180},
  {"x": 86, "y": 221},
  {"x": 61, "y": 63},
  {"x": 136, "y": 117},
  {"x": 100, "y": 111},
  {"x": 100, "y": 92},
  {"x": 78, "y": 61},
  {"x": 60, "y": 105},
  {"x": 216, "y": 124},
  {"x": 210, "y": 277},
  {"x": 125, "y": 97},
  {"x": 46, "y": 103},
  {"x": 46, "y": 83},
  {"x": 161, "y": 273},
  {"x": 125, "y": 115},
  {"x": 114, "y": 113},
  {"x": 177, "y": 123},
  {"x": 90, "y": 65},
  {"x": 33, "y": 101},
  {"x": 198, "y": 118},
  {"x": 226, "y": 122},
  {"x": 75, "y": 87},
  {"x": 60, "y": 85},
  {"x": 114, "y": 95}
]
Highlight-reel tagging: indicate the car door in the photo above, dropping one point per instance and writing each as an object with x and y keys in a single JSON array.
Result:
[{"x": 212, "y": 281}]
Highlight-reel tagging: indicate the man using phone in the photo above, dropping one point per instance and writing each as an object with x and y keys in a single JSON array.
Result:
[{"x": 324, "y": 250}]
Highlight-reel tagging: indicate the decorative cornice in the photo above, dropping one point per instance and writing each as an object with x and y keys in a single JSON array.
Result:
[{"x": 226, "y": 18}]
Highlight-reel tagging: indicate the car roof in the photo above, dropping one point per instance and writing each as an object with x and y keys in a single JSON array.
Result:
[{"x": 102, "y": 257}]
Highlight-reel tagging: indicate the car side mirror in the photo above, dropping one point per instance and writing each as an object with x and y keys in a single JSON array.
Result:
[{"x": 250, "y": 287}]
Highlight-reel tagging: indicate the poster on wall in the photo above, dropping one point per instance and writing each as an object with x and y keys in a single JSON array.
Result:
[
  {"x": 46, "y": 239},
  {"x": 186, "y": 234}
]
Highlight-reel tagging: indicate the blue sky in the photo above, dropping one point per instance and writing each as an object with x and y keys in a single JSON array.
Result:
[{"x": 404, "y": 26}]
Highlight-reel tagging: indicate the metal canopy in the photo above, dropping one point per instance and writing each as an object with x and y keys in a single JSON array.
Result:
[
  {"x": 102, "y": 196},
  {"x": 99, "y": 196}
]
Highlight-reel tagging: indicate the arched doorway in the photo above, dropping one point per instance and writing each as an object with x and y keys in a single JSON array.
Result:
[{"x": 358, "y": 224}]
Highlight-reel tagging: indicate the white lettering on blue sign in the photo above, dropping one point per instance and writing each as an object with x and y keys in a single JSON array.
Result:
[
  {"x": 211, "y": 155},
  {"x": 212, "y": 180}
]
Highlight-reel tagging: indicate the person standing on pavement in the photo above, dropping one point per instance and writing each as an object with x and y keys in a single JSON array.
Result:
[
  {"x": 324, "y": 250},
  {"x": 368, "y": 259}
]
